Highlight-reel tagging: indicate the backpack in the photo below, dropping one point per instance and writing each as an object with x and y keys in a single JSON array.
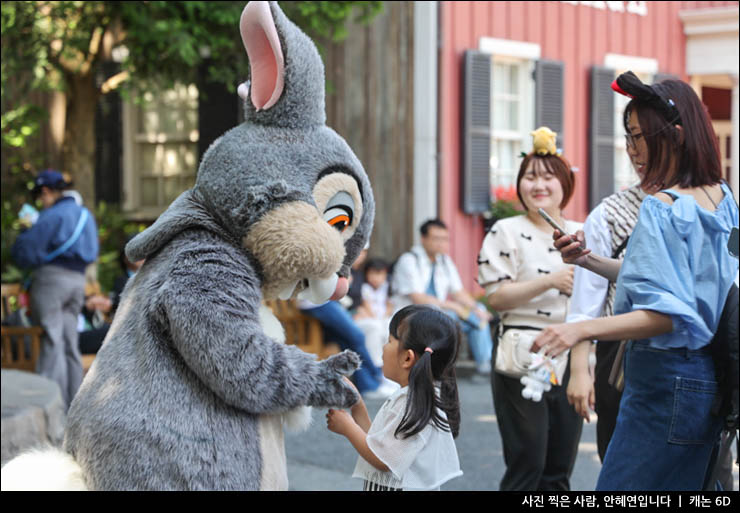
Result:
[{"x": 724, "y": 349}]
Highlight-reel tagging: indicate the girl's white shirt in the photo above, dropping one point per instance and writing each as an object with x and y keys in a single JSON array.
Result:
[
  {"x": 421, "y": 462},
  {"x": 378, "y": 298}
]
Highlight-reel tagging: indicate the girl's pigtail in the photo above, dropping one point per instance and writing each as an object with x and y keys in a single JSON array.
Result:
[
  {"x": 449, "y": 399},
  {"x": 422, "y": 401}
]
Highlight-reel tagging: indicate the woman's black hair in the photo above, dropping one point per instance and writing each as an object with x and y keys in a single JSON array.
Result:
[{"x": 419, "y": 328}]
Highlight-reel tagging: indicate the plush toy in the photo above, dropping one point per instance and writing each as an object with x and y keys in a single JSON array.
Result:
[
  {"x": 543, "y": 141},
  {"x": 539, "y": 378},
  {"x": 192, "y": 385}
]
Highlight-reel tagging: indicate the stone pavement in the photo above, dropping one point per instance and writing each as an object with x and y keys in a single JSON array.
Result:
[{"x": 319, "y": 460}]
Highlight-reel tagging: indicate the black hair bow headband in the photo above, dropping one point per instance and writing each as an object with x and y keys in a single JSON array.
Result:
[{"x": 629, "y": 85}]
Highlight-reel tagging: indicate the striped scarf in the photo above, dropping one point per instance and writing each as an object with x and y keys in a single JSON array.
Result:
[{"x": 621, "y": 210}]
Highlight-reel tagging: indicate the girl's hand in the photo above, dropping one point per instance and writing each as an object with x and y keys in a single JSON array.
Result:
[
  {"x": 557, "y": 338},
  {"x": 339, "y": 421},
  {"x": 581, "y": 394},
  {"x": 572, "y": 247}
]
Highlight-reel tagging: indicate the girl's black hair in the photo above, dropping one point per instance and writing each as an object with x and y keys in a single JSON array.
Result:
[
  {"x": 419, "y": 327},
  {"x": 375, "y": 264}
]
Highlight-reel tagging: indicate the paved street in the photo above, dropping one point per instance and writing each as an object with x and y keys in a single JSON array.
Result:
[{"x": 323, "y": 461}]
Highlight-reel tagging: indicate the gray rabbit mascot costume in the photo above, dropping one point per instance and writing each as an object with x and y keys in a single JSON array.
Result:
[{"x": 193, "y": 384}]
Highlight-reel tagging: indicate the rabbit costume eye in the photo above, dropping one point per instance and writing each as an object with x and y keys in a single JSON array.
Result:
[
  {"x": 338, "y": 198},
  {"x": 339, "y": 211}
]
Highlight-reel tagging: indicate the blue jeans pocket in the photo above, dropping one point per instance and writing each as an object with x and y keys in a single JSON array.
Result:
[{"x": 692, "y": 418}]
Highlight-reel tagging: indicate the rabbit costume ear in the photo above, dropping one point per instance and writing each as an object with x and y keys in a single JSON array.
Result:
[
  {"x": 287, "y": 75},
  {"x": 265, "y": 53}
]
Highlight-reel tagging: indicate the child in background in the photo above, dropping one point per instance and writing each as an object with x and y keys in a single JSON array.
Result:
[
  {"x": 374, "y": 311},
  {"x": 410, "y": 444},
  {"x": 376, "y": 302}
]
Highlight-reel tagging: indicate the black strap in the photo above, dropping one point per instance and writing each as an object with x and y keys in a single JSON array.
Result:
[
  {"x": 510, "y": 327},
  {"x": 621, "y": 247},
  {"x": 672, "y": 194}
]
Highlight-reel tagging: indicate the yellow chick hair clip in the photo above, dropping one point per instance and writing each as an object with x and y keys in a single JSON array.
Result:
[{"x": 543, "y": 141}]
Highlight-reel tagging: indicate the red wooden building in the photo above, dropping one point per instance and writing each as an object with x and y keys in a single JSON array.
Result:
[{"x": 534, "y": 63}]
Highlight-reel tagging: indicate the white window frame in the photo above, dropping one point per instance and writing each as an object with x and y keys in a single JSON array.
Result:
[
  {"x": 524, "y": 55},
  {"x": 132, "y": 142}
]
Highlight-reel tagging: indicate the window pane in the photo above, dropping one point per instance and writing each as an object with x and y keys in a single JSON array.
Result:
[
  {"x": 149, "y": 191},
  {"x": 624, "y": 173},
  {"x": 501, "y": 115},
  {"x": 514, "y": 115},
  {"x": 511, "y": 98},
  {"x": 500, "y": 85},
  {"x": 149, "y": 158},
  {"x": 174, "y": 111},
  {"x": 172, "y": 189},
  {"x": 504, "y": 162},
  {"x": 514, "y": 79},
  {"x": 188, "y": 182},
  {"x": 168, "y": 159}
]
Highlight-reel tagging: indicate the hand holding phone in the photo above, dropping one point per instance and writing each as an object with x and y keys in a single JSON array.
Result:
[{"x": 568, "y": 258}]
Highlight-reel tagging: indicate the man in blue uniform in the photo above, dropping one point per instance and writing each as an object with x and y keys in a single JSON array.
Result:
[{"x": 58, "y": 247}]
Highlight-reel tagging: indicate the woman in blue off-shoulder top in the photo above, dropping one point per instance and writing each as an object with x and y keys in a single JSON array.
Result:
[{"x": 671, "y": 290}]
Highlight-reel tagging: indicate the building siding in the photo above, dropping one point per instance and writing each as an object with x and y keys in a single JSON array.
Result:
[{"x": 578, "y": 35}]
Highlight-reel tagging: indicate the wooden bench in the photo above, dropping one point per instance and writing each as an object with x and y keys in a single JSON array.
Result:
[
  {"x": 16, "y": 354},
  {"x": 302, "y": 330}
]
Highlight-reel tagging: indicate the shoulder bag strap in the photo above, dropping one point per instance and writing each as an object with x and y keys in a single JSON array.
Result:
[{"x": 75, "y": 235}]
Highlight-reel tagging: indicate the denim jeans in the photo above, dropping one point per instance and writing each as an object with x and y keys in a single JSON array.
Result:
[
  {"x": 339, "y": 327},
  {"x": 479, "y": 340},
  {"x": 665, "y": 431}
]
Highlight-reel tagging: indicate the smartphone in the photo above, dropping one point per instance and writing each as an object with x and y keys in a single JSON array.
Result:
[
  {"x": 551, "y": 221},
  {"x": 555, "y": 225}
]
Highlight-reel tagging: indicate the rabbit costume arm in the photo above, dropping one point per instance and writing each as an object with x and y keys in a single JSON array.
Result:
[{"x": 224, "y": 345}]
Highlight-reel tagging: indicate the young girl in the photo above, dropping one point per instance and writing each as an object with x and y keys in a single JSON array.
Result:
[
  {"x": 376, "y": 302},
  {"x": 410, "y": 443}
]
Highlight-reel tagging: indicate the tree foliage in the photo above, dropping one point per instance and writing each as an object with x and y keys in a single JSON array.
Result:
[
  {"x": 46, "y": 44},
  {"x": 62, "y": 45}
]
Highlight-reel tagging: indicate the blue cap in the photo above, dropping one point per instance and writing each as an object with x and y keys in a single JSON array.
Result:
[{"x": 49, "y": 178}]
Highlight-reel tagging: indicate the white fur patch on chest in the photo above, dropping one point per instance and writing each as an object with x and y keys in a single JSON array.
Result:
[
  {"x": 297, "y": 419},
  {"x": 270, "y": 324}
]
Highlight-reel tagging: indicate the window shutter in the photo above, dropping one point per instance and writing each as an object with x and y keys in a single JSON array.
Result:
[
  {"x": 550, "y": 91},
  {"x": 601, "y": 158},
  {"x": 108, "y": 139},
  {"x": 218, "y": 110},
  {"x": 476, "y": 132}
]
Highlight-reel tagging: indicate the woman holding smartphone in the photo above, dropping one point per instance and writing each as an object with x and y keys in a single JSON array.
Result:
[
  {"x": 528, "y": 284},
  {"x": 671, "y": 290}
]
